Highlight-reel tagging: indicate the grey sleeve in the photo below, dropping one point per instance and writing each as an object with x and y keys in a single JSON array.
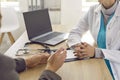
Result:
[
  {"x": 98, "y": 53},
  {"x": 7, "y": 68},
  {"x": 20, "y": 64},
  {"x": 49, "y": 75}
]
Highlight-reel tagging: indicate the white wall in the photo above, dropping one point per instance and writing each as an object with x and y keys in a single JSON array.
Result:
[
  {"x": 71, "y": 11},
  {"x": 23, "y": 5},
  {"x": 55, "y": 17}
]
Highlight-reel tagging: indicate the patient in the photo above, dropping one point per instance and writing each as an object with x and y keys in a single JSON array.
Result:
[{"x": 9, "y": 68}]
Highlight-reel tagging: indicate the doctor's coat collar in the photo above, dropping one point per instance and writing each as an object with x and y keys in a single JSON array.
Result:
[{"x": 117, "y": 12}]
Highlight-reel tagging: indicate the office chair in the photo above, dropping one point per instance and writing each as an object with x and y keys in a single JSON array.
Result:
[{"x": 9, "y": 23}]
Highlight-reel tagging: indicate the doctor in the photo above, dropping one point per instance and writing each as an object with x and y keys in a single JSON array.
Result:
[{"x": 103, "y": 21}]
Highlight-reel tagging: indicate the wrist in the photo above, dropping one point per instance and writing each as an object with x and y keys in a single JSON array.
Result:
[
  {"x": 50, "y": 68},
  {"x": 27, "y": 62},
  {"x": 93, "y": 56},
  {"x": 30, "y": 62}
]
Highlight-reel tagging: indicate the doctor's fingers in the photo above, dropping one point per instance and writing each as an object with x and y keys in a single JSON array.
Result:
[
  {"x": 77, "y": 48},
  {"x": 84, "y": 44},
  {"x": 80, "y": 51},
  {"x": 83, "y": 56},
  {"x": 79, "y": 55}
]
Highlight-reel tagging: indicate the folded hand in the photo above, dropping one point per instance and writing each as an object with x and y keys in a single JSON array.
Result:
[{"x": 84, "y": 50}]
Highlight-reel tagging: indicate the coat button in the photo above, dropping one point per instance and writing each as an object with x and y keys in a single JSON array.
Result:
[
  {"x": 109, "y": 45},
  {"x": 108, "y": 28}
]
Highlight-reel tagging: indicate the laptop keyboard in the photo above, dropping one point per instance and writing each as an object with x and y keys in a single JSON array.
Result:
[{"x": 49, "y": 36}]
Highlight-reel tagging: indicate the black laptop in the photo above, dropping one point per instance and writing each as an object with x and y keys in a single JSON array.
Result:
[{"x": 39, "y": 29}]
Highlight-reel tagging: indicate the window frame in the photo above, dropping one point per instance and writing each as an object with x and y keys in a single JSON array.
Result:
[{"x": 9, "y": 0}]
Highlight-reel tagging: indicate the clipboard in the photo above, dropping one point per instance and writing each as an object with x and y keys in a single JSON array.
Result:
[{"x": 70, "y": 56}]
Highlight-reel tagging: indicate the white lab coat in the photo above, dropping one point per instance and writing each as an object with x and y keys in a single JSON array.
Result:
[{"x": 91, "y": 21}]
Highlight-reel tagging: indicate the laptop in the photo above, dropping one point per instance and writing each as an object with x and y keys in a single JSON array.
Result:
[{"x": 39, "y": 29}]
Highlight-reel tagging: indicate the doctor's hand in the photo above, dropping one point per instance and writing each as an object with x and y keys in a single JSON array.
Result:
[
  {"x": 56, "y": 60},
  {"x": 84, "y": 50}
]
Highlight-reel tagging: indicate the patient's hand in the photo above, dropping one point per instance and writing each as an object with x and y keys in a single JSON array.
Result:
[
  {"x": 36, "y": 59},
  {"x": 56, "y": 60}
]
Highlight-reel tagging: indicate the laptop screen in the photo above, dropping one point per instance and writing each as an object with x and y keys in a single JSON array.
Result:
[{"x": 37, "y": 22}]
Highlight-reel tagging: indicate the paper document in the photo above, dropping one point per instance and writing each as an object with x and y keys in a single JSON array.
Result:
[{"x": 70, "y": 56}]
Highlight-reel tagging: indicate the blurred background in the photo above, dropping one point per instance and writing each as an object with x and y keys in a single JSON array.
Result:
[{"x": 62, "y": 12}]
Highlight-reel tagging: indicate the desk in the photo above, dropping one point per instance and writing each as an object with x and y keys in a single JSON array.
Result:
[{"x": 92, "y": 69}]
